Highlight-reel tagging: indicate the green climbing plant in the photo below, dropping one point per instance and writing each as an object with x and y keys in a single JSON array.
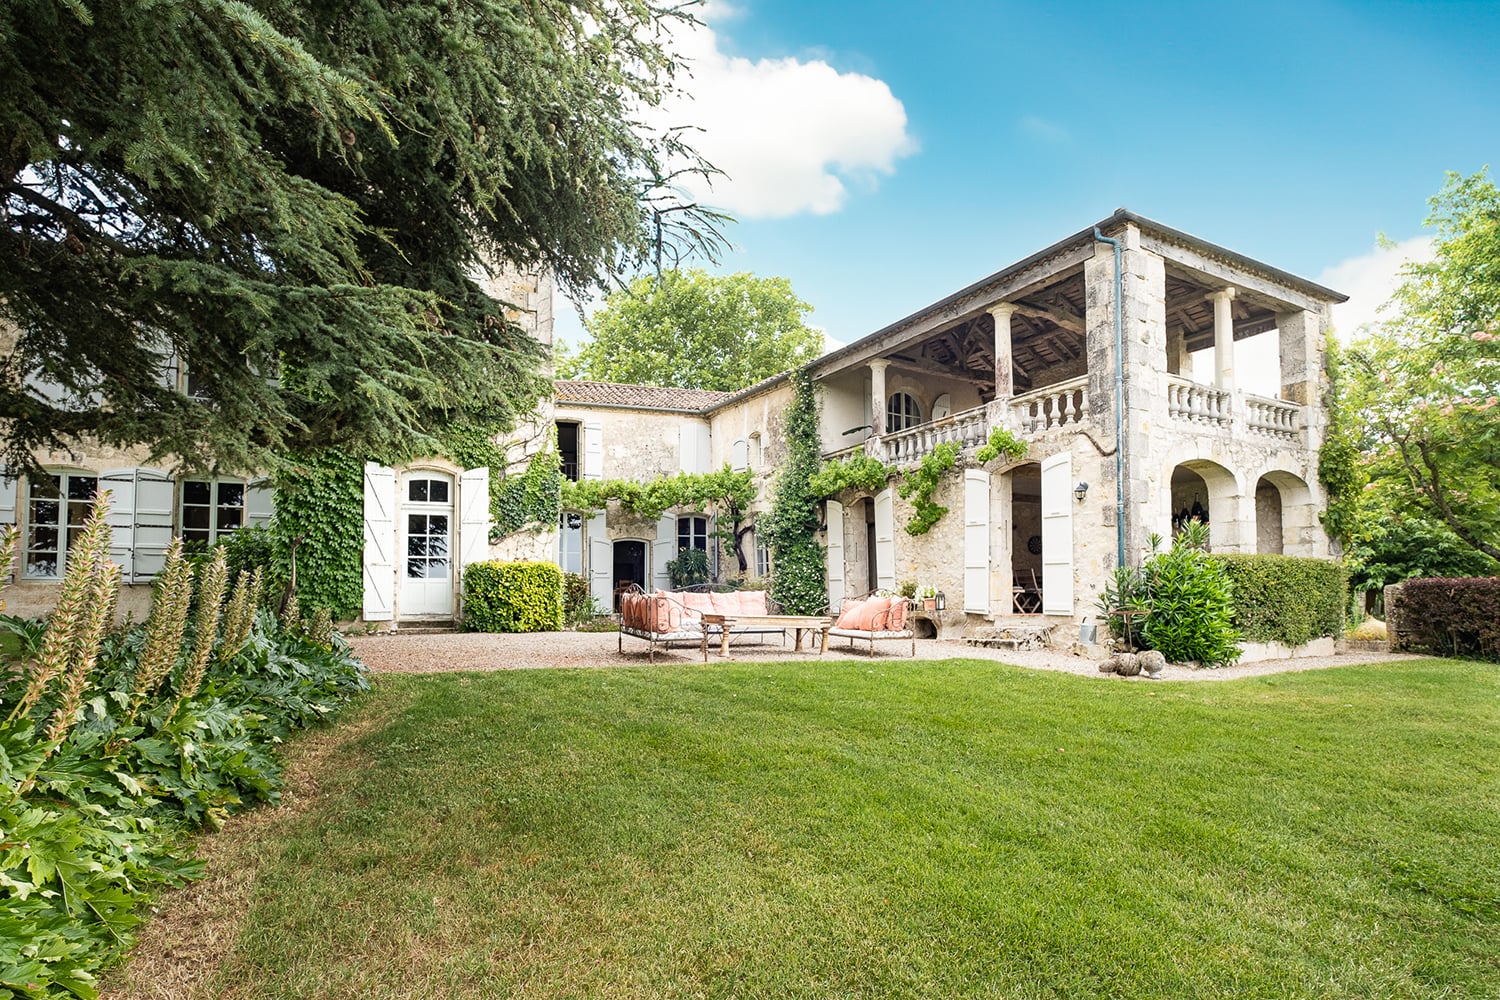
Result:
[
  {"x": 799, "y": 584},
  {"x": 1001, "y": 442},
  {"x": 920, "y": 483},
  {"x": 856, "y": 472}
]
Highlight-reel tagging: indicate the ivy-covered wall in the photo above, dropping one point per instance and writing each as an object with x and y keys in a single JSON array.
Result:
[{"x": 320, "y": 500}]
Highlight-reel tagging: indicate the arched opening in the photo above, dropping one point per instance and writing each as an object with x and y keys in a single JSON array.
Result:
[
  {"x": 1207, "y": 492},
  {"x": 629, "y": 566},
  {"x": 1269, "y": 538},
  {"x": 1190, "y": 501}
]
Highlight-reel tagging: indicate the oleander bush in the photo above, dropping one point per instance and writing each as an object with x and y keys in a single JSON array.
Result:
[
  {"x": 1286, "y": 599},
  {"x": 513, "y": 597},
  {"x": 1183, "y": 601},
  {"x": 1449, "y": 616},
  {"x": 117, "y": 742}
]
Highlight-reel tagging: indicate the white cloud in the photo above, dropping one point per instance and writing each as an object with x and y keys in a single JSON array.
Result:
[
  {"x": 791, "y": 136},
  {"x": 1369, "y": 280}
]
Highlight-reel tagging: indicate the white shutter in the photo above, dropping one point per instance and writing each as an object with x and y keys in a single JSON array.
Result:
[
  {"x": 977, "y": 541},
  {"x": 121, "y": 519},
  {"x": 835, "y": 555},
  {"x": 1057, "y": 535},
  {"x": 593, "y": 450},
  {"x": 885, "y": 541},
  {"x": 687, "y": 448},
  {"x": 740, "y": 455},
  {"x": 474, "y": 516},
  {"x": 705, "y": 456},
  {"x": 380, "y": 542},
  {"x": 601, "y": 564},
  {"x": 663, "y": 551},
  {"x": 260, "y": 503},
  {"x": 155, "y": 510}
]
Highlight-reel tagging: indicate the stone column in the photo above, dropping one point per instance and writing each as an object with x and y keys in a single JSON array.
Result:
[
  {"x": 1223, "y": 339},
  {"x": 1179, "y": 359},
  {"x": 877, "y": 396},
  {"x": 1004, "y": 383}
]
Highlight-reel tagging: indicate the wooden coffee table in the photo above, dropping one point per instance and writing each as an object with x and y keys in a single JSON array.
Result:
[{"x": 798, "y": 623}]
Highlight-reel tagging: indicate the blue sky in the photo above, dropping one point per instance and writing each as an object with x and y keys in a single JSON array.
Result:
[{"x": 883, "y": 155}]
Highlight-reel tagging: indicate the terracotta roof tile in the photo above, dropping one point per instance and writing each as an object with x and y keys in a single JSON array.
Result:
[{"x": 646, "y": 397}]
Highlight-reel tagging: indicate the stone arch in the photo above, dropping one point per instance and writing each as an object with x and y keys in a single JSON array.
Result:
[
  {"x": 1286, "y": 514},
  {"x": 1221, "y": 496}
]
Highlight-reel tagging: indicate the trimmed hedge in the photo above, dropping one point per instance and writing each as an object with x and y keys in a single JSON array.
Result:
[
  {"x": 1286, "y": 599},
  {"x": 1449, "y": 616},
  {"x": 513, "y": 597}
]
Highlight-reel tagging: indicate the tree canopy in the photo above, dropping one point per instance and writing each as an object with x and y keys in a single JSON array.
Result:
[
  {"x": 693, "y": 330},
  {"x": 302, "y": 202},
  {"x": 1426, "y": 387}
]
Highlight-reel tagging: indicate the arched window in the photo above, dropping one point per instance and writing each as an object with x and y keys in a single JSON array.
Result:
[
  {"x": 692, "y": 533},
  {"x": 901, "y": 412}
]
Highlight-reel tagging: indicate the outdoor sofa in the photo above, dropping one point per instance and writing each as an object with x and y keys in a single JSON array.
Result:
[
  {"x": 668, "y": 616},
  {"x": 875, "y": 618}
]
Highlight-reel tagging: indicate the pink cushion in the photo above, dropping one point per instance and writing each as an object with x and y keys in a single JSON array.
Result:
[
  {"x": 725, "y": 604},
  {"x": 664, "y": 614},
  {"x": 860, "y": 615},
  {"x": 699, "y": 602},
  {"x": 753, "y": 602},
  {"x": 897, "y": 621}
]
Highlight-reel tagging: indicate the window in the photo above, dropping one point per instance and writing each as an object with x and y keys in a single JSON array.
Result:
[
  {"x": 567, "y": 449},
  {"x": 59, "y": 506},
  {"x": 211, "y": 509},
  {"x": 901, "y": 412},
  {"x": 755, "y": 454},
  {"x": 570, "y": 542},
  {"x": 692, "y": 533},
  {"x": 762, "y": 558},
  {"x": 427, "y": 546},
  {"x": 427, "y": 490}
]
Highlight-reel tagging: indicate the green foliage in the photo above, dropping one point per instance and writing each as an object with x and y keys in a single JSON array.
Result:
[
  {"x": 1187, "y": 596},
  {"x": 696, "y": 331},
  {"x": 1450, "y": 617},
  {"x": 1286, "y": 599},
  {"x": 1001, "y": 442},
  {"x": 320, "y": 500},
  {"x": 1341, "y": 469},
  {"x": 1397, "y": 539},
  {"x": 856, "y": 472},
  {"x": 799, "y": 583},
  {"x": 1426, "y": 388},
  {"x": 108, "y": 760},
  {"x": 578, "y": 600},
  {"x": 513, "y": 597},
  {"x": 922, "y": 482},
  {"x": 315, "y": 191},
  {"x": 689, "y": 568},
  {"x": 250, "y": 548},
  {"x": 532, "y": 499},
  {"x": 727, "y": 493}
]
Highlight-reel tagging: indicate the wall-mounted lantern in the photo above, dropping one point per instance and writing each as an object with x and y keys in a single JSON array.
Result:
[{"x": 1080, "y": 491}]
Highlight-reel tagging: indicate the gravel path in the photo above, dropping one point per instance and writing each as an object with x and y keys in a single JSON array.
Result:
[{"x": 437, "y": 652}]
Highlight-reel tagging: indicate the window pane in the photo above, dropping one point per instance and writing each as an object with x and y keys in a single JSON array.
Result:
[
  {"x": 437, "y": 569},
  {"x": 416, "y": 545},
  {"x": 195, "y": 518},
  {"x": 41, "y": 565},
  {"x": 231, "y": 494},
  {"x": 416, "y": 569},
  {"x": 437, "y": 524},
  {"x": 45, "y": 486},
  {"x": 78, "y": 512},
  {"x": 438, "y": 491},
  {"x": 230, "y": 518},
  {"x": 44, "y": 512},
  {"x": 82, "y": 487},
  {"x": 437, "y": 545},
  {"x": 416, "y": 489},
  {"x": 196, "y": 539},
  {"x": 416, "y": 524},
  {"x": 43, "y": 539},
  {"x": 195, "y": 491}
]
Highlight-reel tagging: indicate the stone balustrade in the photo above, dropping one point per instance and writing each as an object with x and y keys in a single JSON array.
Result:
[
  {"x": 1053, "y": 406},
  {"x": 1199, "y": 404},
  {"x": 969, "y": 428},
  {"x": 1275, "y": 417}
]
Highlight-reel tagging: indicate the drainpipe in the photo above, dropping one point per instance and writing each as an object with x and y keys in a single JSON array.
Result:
[{"x": 1119, "y": 404}]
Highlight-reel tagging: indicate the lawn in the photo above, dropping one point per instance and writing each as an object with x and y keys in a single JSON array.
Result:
[{"x": 892, "y": 829}]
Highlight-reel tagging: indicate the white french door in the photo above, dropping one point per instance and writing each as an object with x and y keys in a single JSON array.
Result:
[{"x": 426, "y": 544}]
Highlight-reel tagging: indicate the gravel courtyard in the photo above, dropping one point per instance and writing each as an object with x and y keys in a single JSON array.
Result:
[{"x": 417, "y": 653}]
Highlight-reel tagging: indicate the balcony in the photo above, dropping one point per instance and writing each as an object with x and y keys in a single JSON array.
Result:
[
  {"x": 969, "y": 428},
  {"x": 1190, "y": 402}
]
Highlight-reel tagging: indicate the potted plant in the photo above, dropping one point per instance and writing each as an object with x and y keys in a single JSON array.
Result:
[{"x": 929, "y": 598}]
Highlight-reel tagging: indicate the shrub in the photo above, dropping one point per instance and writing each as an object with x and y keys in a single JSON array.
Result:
[
  {"x": 578, "y": 600},
  {"x": 1284, "y": 598},
  {"x": 689, "y": 568},
  {"x": 1457, "y": 616},
  {"x": 513, "y": 597},
  {"x": 1187, "y": 595}
]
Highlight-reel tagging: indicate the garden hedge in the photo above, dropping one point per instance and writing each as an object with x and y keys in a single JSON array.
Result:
[
  {"x": 1449, "y": 616},
  {"x": 1286, "y": 599},
  {"x": 513, "y": 597}
]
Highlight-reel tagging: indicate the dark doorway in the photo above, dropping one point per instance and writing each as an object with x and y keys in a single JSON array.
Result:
[
  {"x": 630, "y": 567},
  {"x": 567, "y": 449}
]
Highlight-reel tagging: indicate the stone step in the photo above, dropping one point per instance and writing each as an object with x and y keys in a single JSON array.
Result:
[{"x": 1010, "y": 636}]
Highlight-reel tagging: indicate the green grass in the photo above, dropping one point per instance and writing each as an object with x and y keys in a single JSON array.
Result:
[{"x": 950, "y": 829}]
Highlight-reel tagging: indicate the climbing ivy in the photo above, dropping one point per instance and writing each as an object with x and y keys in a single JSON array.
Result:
[
  {"x": 1339, "y": 467},
  {"x": 532, "y": 499},
  {"x": 857, "y": 472},
  {"x": 1001, "y": 442},
  {"x": 320, "y": 509},
  {"x": 727, "y": 492},
  {"x": 920, "y": 483},
  {"x": 791, "y": 526}
]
